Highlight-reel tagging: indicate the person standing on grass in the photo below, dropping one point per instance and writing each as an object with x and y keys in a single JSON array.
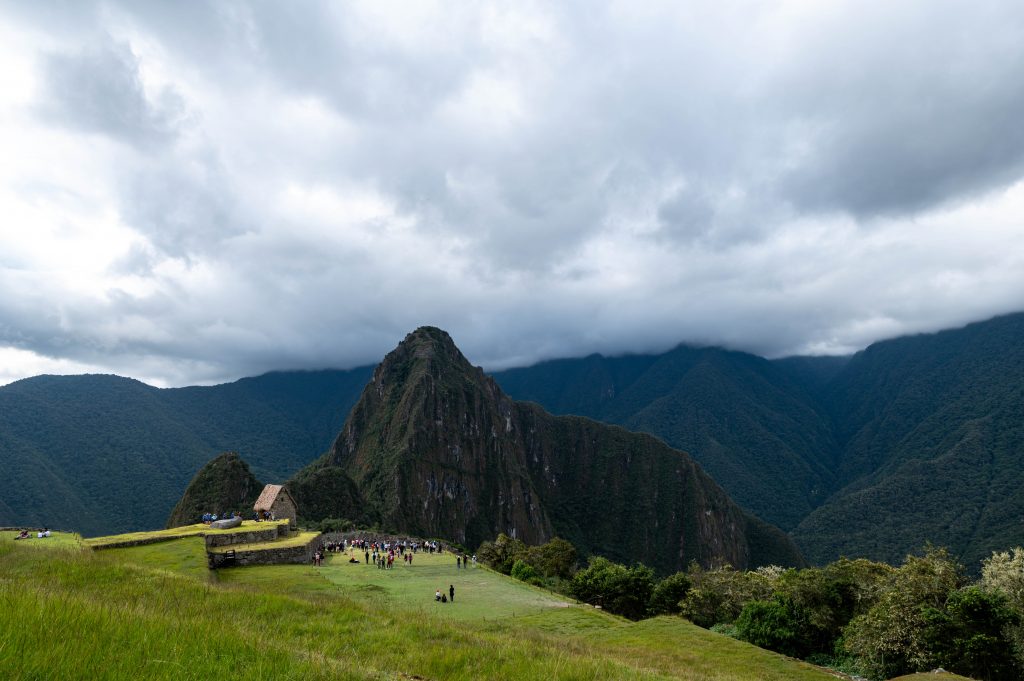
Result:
[{"x": 451, "y": 593}]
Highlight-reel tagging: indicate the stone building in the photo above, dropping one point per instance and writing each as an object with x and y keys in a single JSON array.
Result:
[{"x": 277, "y": 500}]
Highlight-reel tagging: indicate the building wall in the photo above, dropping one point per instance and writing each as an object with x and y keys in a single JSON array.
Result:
[{"x": 284, "y": 508}]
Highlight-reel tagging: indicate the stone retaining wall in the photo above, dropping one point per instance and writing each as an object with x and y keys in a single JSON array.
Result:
[
  {"x": 227, "y": 539},
  {"x": 292, "y": 555}
]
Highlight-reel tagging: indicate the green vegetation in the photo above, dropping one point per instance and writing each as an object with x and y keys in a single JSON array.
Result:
[
  {"x": 183, "y": 531},
  {"x": 140, "y": 613}
]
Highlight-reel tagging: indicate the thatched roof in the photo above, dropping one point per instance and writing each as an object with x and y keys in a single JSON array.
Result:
[{"x": 268, "y": 496}]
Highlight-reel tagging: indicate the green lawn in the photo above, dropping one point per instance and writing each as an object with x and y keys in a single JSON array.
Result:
[
  {"x": 183, "y": 531},
  {"x": 480, "y": 593}
]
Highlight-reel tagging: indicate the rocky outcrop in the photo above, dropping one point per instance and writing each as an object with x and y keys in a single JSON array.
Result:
[{"x": 437, "y": 449}]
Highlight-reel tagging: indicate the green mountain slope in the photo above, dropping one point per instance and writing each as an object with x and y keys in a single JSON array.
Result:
[
  {"x": 755, "y": 428},
  {"x": 914, "y": 439},
  {"x": 932, "y": 432},
  {"x": 105, "y": 454},
  {"x": 438, "y": 449}
]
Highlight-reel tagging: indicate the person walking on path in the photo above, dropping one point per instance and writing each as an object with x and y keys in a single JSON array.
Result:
[{"x": 451, "y": 593}]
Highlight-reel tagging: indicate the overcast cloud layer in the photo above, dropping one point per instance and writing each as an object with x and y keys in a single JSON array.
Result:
[{"x": 192, "y": 192}]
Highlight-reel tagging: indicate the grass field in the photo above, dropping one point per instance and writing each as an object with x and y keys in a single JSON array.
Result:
[
  {"x": 149, "y": 612},
  {"x": 183, "y": 531},
  {"x": 56, "y": 540},
  {"x": 480, "y": 593}
]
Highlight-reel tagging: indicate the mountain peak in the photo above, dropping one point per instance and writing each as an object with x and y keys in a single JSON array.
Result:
[{"x": 429, "y": 342}]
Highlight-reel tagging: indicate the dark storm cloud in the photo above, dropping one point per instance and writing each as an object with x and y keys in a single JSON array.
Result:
[{"x": 293, "y": 185}]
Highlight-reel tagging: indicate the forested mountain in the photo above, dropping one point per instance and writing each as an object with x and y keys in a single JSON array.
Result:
[
  {"x": 931, "y": 430},
  {"x": 756, "y": 427},
  {"x": 437, "y": 449},
  {"x": 104, "y": 454},
  {"x": 911, "y": 440}
]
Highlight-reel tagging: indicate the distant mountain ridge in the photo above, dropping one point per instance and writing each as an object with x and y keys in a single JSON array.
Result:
[
  {"x": 913, "y": 439},
  {"x": 910, "y": 440}
]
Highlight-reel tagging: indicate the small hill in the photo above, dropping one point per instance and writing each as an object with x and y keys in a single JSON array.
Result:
[
  {"x": 223, "y": 485},
  {"x": 437, "y": 449}
]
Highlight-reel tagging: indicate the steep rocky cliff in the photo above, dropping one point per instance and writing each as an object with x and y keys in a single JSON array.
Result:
[{"x": 435, "y": 447}]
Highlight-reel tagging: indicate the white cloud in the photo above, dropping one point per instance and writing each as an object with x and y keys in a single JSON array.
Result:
[{"x": 196, "y": 192}]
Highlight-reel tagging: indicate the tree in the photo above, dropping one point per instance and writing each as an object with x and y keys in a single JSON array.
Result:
[
  {"x": 668, "y": 593},
  {"x": 968, "y": 635},
  {"x": 556, "y": 559},
  {"x": 718, "y": 596},
  {"x": 893, "y": 637},
  {"x": 502, "y": 553},
  {"x": 525, "y": 572},
  {"x": 616, "y": 588},
  {"x": 1003, "y": 573},
  {"x": 775, "y": 625}
]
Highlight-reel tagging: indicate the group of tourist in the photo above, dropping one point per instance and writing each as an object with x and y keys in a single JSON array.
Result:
[
  {"x": 213, "y": 517},
  {"x": 383, "y": 553},
  {"x": 264, "y": 515},
  {"x": 41, "y": 534}
]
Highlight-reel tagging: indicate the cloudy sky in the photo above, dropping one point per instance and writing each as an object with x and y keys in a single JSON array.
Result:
[{"x": 193, "y": 192}]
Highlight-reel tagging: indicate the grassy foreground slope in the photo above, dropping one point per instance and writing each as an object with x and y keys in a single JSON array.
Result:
[{"x": 145, "y": 612}]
